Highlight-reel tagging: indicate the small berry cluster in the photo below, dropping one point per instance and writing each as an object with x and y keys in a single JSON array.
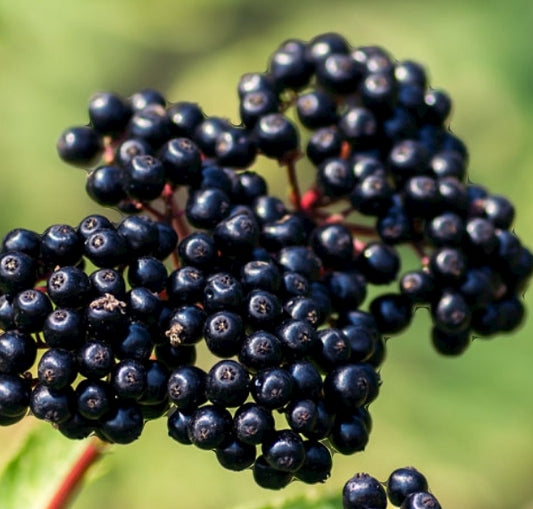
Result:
[
  {"x": 273, "y": 289},
  {"x": 406, "y": 488}
]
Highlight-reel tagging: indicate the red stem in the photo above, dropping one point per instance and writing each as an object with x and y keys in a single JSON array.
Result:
[
  {"x": 68, "y": 487},
  {"x": 294, "y": 186}
]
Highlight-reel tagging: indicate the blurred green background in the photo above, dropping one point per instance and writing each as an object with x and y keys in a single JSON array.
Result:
[{"x": 467, "y": 422}]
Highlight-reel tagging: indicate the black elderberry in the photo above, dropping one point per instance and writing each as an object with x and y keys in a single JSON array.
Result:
[
  {"x": 94, "y": 399},
  {"x": 123, "y": 425},
  {"x": 227, "y": 384},
  {"x": 14, "y": 399},
  {"x": 260, "y": 350},
  {"x": 316, "y": 109},
  {"x": 55, "y": 406},
  {"x": 22, "y": 240},
  {"x": 305, "y": 308},
  {"x": 333, "y": 244},
  {"x": 404, "y": 481},
  {"x": 18, "y": 351},
  {"x": 69, "y": 287},
  {"x": 57, "y": 368},
  {"x": 349, "y": 434},
  {"x": 155, "y": 394},
  {"x": 144, "y": 178},
  {"x": 379, "y": 263},
  {"x": 128, "y": 379},
  {"x": 151, "y": 124},
  {"x": 182, "y": 161},
  {"x": 209, "y": 426},
  {"x": 334, "y": 349},
  {"x": 392, "y": 312},
  {"x": 451, "y": 313},
  {"x": 173, "y": 357},
  {"x": 186, "y": 387},
  {"x": 284, "y": 450},
  {"x": 143, "y": 98},
  {"x": 178, "y": 423},
  {"x": 362, "y": 491},
  {"x": 252, "y": 423},
  {"x": 148, "y": 272},
  {"x": 222, "y": 292},
  {"x": 198, "y": 249},
  {"x": 108, "y": 281},
  {"x": 324, "y": 144},
  {"x": 136, "y": 343},
  {"x": 272, "y": 388},
  {"x": 236, "y": 235},
  {"x": 276, "y": 136},
  {"x": 346, "y": 288},
  {"x": 270, "y": 478},
  {"x": 79, "y": 146},
  {"x": 30, "y": 309},
  {"x": 339, "y": 73},
  {"x": 140, "y": 233},
  {"x": 223, "y": 333},
  {"x": 234, "y": 454},
  {"x": 106, "y": 185},
  {"x": 420, "y": 500},
  {"x": 298, "y": 337},
  {"x": 301, "y": 415},
  {"x": 206, "y": 208},
  {"x": 235, "y": 148},
  {"x": 289, "y": 66},
  {"x": 360, "y": 127},
  {"x": 299, "y": 259},
  {"x": 95, "y": 359},
  {"x": 419, "y": 286},
  {"x": 317, "y": 464},
  {"x": 108, "y": 113},
  {"x": 106, "y": 248},
  {"x": 18, "y": 271},
  {"x": 185, "y": 326},
  {"x": 61, "y": 245},
  {"x": 184, "y": 117},
  {"x": 289, "y": 230}
]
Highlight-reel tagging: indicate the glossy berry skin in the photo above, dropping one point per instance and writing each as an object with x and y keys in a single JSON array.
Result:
[
  {"x": 128, "y": 379},
  {"x": 404, "y": 481},
  {"x": 64, "y": 328},
  {"x": 143, "y": 98},
  {"x": 30, "y": 309},
  {"x": 14, "y": 398},
  {"x": 235, "y": 148},
  {"x": 307, "y": 382},
  {"x": 272, "y": 387},
  {"x": 207, "y": 133},
  {"x": 108, "y": 113},
  {"x": 136, "y": 343},
  {"x": 61, "y": 245},
  {"x": 68, "y": 287},
  {"x": 186, "y": 387},
  {"x": 79, "y": 146},
  {"x": 123, "y": 425},
  {"x": 22, "y": 240},
  {"x": 181, "y": 161},
  {"x": 235, "y": 455},
  {"x": 333, "y": 244},
  {"x": 227, "y": 384},
  {"x": 335, "y": 177},
  {"x": 106, "y": 185},
  {"x": 420, "y": 500},
  {"x": 185, "y": 118},
  {"x": 17, "y": 271},
  {"x": 270, "y": 478},
  {"x": 236, "y": 235},
  {"x": 155, "y": 394},
  {"x": 252, "y": 423},
  {"x": 148, "y": 272},
  {"x": 260, "y": 350},
  {"x": 106, "y": 248},
  {"x": 177, "y": 425},
  {"x": 301, "y": 415},
  {"x": 55, "y": 406},
  {"x": 284, "y": 450},
  {"x": 298, "y": 337},
  {"x": 363, "y": 491},
  {"x": 317, "y": 465},
  {"x": 316, "y": 109},
  {"x": 144, "y": 178},
  {"x": 150, "y": 124},
  {"x": 185, "y": 326},
  {"x": 334, "y": 350},
  {"x": 392, "y": 312},
  {"x": 222, "y": 292},
  {"x": 276, "y": 136},
  {"x": 209, "y": 426},
  {"x": 206, "y": 208},
  {"x": 92, "y": 224},
  {"x": 379, "y": 263},
  {"x": 140, "y": 233},
  {"x": 263, "y": 309},
  {"x": 108, "y": 281},
  {"x": 94, "y": 399},
  {"x": 347, "y": 387},
  {"x": 95, "y": 359},
  {"x": 18, "y": 352},
  {"x": 339, "y": 73},
  {"x": 224, "y": 333},
  {"x": 451, "y": 313},
  {"x": 106, "y": 317},
  {"x": 57, "y": 368}
]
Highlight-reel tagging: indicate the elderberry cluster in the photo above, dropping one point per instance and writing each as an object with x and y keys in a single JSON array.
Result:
[
  {"x": 274, "y": 290},
  {"x": 406, "y": 488}
]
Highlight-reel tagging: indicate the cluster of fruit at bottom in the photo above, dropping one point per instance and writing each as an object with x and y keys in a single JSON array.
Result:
[
  {"x": 406, "y": 488},
  {"x": 275, "y": 290}
]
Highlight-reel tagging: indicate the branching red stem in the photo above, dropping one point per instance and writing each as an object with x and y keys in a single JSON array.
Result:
[{"x": 70, "y": 484}]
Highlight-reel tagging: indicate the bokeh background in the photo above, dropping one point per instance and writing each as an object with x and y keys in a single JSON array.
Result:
[{"x": 467, "y": 423}]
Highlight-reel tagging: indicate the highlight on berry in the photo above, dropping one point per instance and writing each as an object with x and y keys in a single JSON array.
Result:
[{"x": 102, "y": 320}]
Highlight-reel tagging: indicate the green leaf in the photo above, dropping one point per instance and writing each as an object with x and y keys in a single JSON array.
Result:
[{"x": 37, "y": 469}]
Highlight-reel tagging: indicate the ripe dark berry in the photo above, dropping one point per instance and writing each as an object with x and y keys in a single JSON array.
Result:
[
  {"x": 252, "y": 423},
  {"x": 148, "y": 272},
  {"x": 270, "y": 478},
  {"x": 316, "y": 109},
  {"x": 57, "y": 368},
  {"x": 61, "y": 245},
  {"x": 185, "y": 117},
  {"x": 123, "y": 425},
  {"x": 276, "y": 135},
  {"x": 420, "y": 500},
  {"x": 17, "y": 271},
  {"x": 14, "y": 398},
  {"x": 106, "y": 185},
  {"x": 79, "y": 146},
  {"x": 185, "y": 326},
  {"x": 224, "y": 333},
  {"x": 178, "y": 423},
  {"x": 284, "y": 450},
  {"x": 347, "y": 387},
  {"x": 94, "y": 399},
  {"x": 55, "y": 406},
  {"x": 30, "y": 309},
  {"x": 17, "y": 352},
  {"x": 106, "y": 248},
  {"x": 404, "y": 481},
  {"x": 22, "y": 240},
  {"x": 186, "y": 387},
  {"x": 227, "y": 384},
  {"x": 108, "y": 112},
  {"x": 317, "y": 464},
  {"x": 181, "y": 160},
  {"x": 140, "y": 233},
  {"x": 222, "y": 292},
  {"x": 95, "y": 359},
  {"x": 209, "y": 426},
  {"x": 205, "y": 208},
  {"x": 392, "y": 312},
  {"x": 144, "y": 178},
  {"x": 272, "y": 387},
  {"x": 68, "y": 287},
  {"x": 363, "y": 491}
]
